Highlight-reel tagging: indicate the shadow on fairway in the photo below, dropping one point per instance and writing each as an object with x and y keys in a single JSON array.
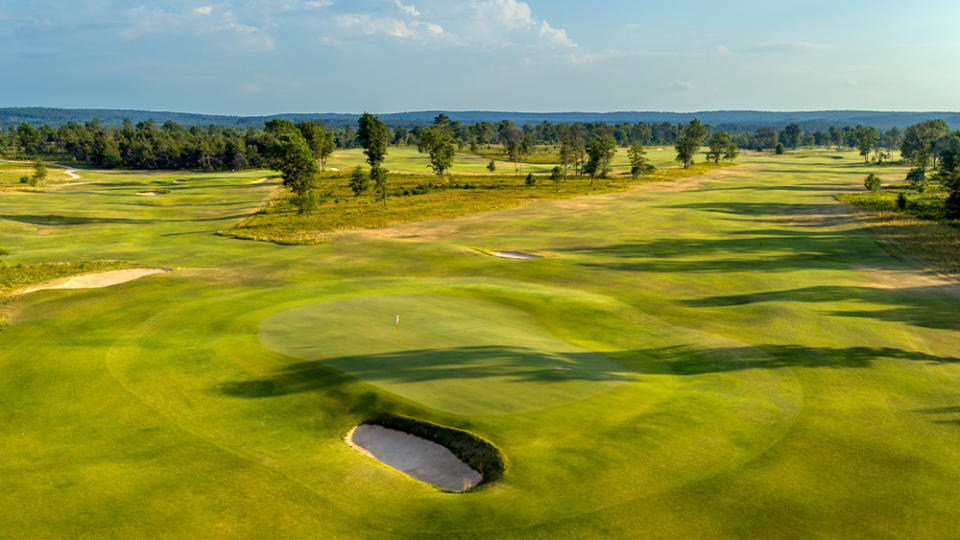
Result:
[
  {"x": 942, "y": 415},
  {"x": 64, "y": 221},
  {"x": 55, "y": 220},
  {"x": 775, "y": 250},
  {"x": 929, "y": 307},
  {"x": 819, "y": 188},
  {"x": 522, "y": 365}
]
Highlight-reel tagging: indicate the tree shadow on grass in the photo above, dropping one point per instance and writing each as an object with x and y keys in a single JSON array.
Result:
[
  {"x": 942, "y": 415},
  {"x": 508, "y": 364},
  {"x": 816, "y": 188},
  {"x": 53, "y": 220},
  {"x": 929, "y": 307},
  {"x": 774, "y": 250}
]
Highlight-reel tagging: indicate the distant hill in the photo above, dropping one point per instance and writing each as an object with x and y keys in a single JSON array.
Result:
[{"x": 730, "y": 120}]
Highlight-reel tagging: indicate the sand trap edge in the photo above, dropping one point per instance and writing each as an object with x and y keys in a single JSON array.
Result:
[
  {"x": 411, "y": 456},
  {"x": 90, "y": 281},
  {"x": 509, "y": 254}
]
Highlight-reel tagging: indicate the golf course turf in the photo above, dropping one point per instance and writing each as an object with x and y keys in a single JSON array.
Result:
[{"x": 726, "y": 355}]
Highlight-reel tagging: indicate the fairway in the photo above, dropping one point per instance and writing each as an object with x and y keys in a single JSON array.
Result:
[
  {"x": 724, "y": 355},
  {"x": 457, "y": 355}
]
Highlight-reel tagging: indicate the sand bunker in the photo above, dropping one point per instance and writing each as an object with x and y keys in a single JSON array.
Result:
[
  {"x": 514, "y": 255},
  {"x": 422, "y": 459},
  {"x": 95, "y": 281},
  {"x": 152, "y": 193},
  {"x": 265, "y": 180}
]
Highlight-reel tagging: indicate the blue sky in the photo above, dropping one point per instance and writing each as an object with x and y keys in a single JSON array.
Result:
[{"x": 271, "y": 56}]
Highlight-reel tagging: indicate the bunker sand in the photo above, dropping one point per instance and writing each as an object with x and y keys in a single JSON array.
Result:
[
  {"x": 422, "y": 459},
  {"x": 98, "y": 280},
  {"x": 514, "y": 255}
]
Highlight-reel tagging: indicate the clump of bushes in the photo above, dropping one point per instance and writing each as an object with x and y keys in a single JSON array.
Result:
[
  {"x": 872, "y": 182},
  {"x": 531, "y": 180},
  {"x": 478, "y": 453}
]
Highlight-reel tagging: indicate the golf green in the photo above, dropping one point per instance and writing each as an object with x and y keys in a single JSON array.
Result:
[{"x": 459, "y": 355}]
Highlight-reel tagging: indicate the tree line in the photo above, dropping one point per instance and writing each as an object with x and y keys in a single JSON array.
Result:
[{"x": 145, "y": 145}]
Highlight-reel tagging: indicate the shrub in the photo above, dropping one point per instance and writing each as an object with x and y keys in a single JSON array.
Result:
[
  {"x": 491, "y": 166},
  {"x": 952, "y": 206},
  {"x": 917, "y": 178},
  {"x": 478, "y": 453},
  {"x": 902, "y": 201},
  {"x": 780, "y": 149},
  {"x": 531, "y": 180},
  {"x": 872, "y": 182}
]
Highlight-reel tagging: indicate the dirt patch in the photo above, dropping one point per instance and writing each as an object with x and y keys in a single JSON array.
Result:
[
  {"x": 98, "y": 280},
  {"x": 514, "y": 255},
  {"x": 422, "y": 459}
]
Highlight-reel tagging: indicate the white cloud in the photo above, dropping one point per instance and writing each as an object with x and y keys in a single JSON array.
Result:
[
  {"x": 143, "y": 21},
  {"x": 509, "y": 13},
  {"x": 512, "y": 22},
  {"x": 369, "y": 25},
  {"x": 556, "y": 36},
  {"x": 320, "y": 4},
  {"x": 408, "y": 9}
]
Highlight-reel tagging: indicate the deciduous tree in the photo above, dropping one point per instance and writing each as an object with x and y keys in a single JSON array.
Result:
[
  {"x": 639, "y": 163},
  {"x": 438, "y": 144},
  {"x": 374, "y": 135},
  {"x": 689, "y": 142},
  {"x": 600, "y": 151},
  {"x": 866, "y": 137},
  {"x": 293, "y": 158},
  {"x": 718, "y": 144}
]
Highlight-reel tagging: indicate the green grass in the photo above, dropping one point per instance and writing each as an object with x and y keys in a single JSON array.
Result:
[
  {"x": 522, "y": 365},
  {"x": 778, "y": 372}
]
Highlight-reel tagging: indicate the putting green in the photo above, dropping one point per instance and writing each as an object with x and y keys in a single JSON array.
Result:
[{"x": 459, "y": 355}]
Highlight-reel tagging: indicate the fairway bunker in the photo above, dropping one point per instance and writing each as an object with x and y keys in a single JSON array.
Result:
[
  {"x": 98, "y": 280},
  {"x": 153, "y": 193},
  {"x": 515, "y": 255},
  {"x": 419, "y": 458}
]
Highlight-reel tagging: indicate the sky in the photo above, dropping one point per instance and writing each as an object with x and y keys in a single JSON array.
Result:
[{"x": 277, "y": 56}]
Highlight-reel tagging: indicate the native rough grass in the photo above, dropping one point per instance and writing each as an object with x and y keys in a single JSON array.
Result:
[{"x": 416, "y": 198}]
